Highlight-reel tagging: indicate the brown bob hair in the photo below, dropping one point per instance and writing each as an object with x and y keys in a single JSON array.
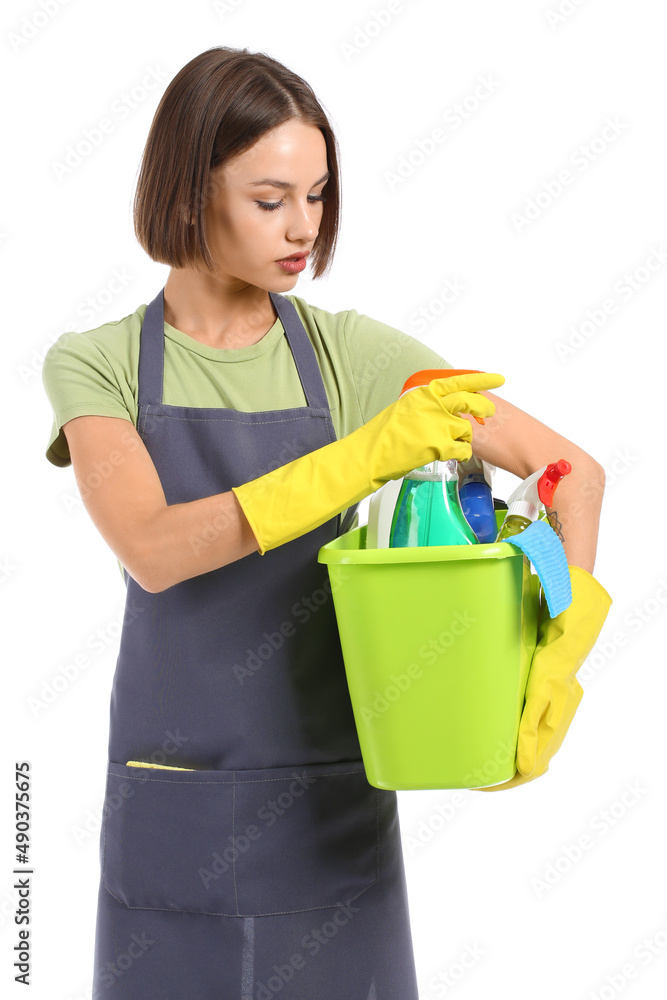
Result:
[{"x": 216, "y": 107}]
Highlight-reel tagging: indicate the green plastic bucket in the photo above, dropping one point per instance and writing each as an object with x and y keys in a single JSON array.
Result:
[{"x": 437, "y": 643}]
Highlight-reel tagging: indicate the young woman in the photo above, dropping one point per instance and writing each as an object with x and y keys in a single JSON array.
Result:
[{"x": 218, "y": 435}]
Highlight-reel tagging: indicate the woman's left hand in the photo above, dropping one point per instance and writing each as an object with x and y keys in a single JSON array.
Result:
[{"x": 553, "y": 692}]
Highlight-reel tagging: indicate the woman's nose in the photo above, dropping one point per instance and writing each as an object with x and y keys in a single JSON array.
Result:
[{"x": 303, "y": 222}]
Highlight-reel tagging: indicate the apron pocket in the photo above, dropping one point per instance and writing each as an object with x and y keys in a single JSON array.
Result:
[
  {"x": 167, "y": 839},
  {"x": 240, "y": 843},
  {"x": 312, "y": 837}
]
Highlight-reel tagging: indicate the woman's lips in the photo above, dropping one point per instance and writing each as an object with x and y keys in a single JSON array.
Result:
[{"x": 292, "y": 266}]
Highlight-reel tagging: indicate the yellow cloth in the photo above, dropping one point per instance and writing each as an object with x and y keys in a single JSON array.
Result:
[
  {"x": 553, "y": 693},
  {"x": 419, "y": 427},
  {"x": 165, "y": 767}
]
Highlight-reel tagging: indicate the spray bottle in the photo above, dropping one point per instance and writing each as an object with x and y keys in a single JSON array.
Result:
[
  {"x": 428, "y": 509},
  {"x": 385, "y": 501},
  {"x": 531, "y": 496}
]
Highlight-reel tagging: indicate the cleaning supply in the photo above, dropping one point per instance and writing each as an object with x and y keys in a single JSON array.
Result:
[
  {"x": 531, "y": 496},
  {"x": 381, "y": 513},
  {"x": 544, "y": 549},
  {"x": 164, "y": 767},
  {"x": 301, "y": 495},
  {"x": 382, "y": 505},
  {"x": 553, "y": 693},
  {"x": 426, "y": 375},
  {"x": 476, "y": 496},
  {"x": 428, "y": 511}
]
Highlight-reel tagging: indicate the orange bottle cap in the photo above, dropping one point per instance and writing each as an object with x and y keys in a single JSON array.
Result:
[{"x": 427, "y": 375}]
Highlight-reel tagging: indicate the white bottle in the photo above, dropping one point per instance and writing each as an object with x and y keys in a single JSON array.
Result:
[{"x": 380, "y": 514}]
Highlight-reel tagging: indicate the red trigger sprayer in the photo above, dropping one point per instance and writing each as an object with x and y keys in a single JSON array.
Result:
[{"x": 532, "y": 495}]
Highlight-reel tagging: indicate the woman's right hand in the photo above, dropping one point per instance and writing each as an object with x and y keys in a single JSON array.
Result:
[
  {"x": 420, "y": 427},
  {"x": 423, "y": 424}
]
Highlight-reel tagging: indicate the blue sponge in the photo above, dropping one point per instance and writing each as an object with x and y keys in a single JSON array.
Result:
[{"x": 540, "y": 543}]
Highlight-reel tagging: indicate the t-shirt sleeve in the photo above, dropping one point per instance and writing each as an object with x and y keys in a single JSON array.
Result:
[
  {"x": 381, "y": 359},
  {"x": 78, "y": 380}
]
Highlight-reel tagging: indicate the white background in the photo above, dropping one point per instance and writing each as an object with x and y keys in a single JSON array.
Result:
[{"x": 558, "y": 79}]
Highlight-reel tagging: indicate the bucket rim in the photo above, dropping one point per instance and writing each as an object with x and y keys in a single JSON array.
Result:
[{"x": 336, "y": 551}]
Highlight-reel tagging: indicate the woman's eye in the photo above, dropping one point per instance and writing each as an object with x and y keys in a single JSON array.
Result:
[{"x": 269, "y": 206}]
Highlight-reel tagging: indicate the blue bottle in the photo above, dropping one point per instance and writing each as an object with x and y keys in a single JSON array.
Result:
[
  {"x": 428, "y": 511},
  {"x": 475, "y": 478}
]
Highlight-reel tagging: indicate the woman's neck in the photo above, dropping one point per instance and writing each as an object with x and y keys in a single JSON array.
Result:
[{"x": 201, "y": 307}]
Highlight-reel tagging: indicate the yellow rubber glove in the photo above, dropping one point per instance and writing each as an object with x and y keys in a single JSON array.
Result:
[
  {"x": 553, "y": 692},
  {"x": 420, "y": 427}
]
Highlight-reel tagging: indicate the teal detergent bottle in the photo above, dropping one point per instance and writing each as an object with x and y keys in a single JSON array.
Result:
[{"x": 428, "y": 510}]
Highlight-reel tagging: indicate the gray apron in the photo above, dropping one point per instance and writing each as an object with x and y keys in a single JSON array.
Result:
[{"x": 272, "y": 867}]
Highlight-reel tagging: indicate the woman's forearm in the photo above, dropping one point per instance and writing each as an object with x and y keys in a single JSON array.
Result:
[
  {"x": 577, "y": 502},
  {"x": 187, "y": 539}
]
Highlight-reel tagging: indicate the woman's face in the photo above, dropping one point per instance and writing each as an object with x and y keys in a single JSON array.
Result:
[{"x": 246, "y": 238}]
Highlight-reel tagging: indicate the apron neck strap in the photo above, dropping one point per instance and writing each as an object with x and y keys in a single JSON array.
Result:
[{"x": 151, "y": 352}]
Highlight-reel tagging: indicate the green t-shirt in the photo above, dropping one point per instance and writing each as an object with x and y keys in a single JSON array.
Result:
[{"x": 363, "y": 362}]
